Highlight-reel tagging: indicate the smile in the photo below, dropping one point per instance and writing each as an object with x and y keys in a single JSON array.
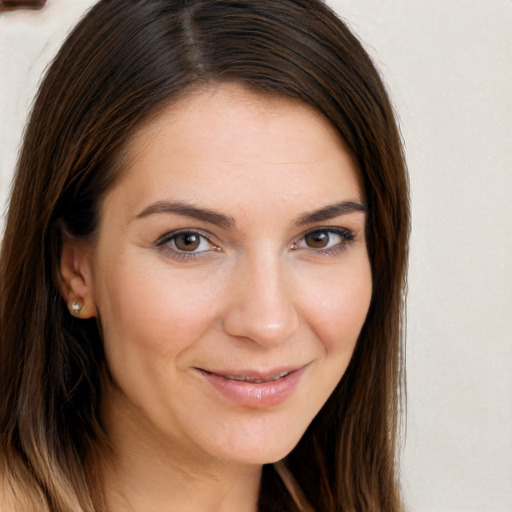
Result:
[
  {"x": 256, "y": 380},
  {"x": 254, "y": 389}
]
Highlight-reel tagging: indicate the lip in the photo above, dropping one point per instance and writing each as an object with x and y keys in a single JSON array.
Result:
[{"x": 255, "y": 389}]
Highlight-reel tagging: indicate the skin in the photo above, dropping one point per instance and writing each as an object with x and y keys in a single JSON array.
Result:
[{"x": 253, "y": 292}]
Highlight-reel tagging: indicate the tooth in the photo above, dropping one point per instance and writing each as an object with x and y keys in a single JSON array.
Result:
[{"x": 243, "y": 378}]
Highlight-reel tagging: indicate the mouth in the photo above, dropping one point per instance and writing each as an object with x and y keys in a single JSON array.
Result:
[
  {"x": 254, "y": 389},
  {"x": 253, "y": 378}
]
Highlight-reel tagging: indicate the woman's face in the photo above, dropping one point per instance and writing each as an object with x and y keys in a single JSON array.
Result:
[{"x": 230, "y": 274}]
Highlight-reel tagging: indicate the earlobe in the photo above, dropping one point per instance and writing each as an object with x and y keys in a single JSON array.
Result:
[{"x": 76, "y": 279}]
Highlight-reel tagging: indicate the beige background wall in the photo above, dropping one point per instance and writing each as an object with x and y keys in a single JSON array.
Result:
[{"x": 448, "y": 65}]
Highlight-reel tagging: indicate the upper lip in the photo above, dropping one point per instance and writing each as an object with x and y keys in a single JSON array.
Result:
[{"x": 254, "y": 376}]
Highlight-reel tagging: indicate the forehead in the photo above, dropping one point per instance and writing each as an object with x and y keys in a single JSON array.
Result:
[{"x": 227, "y": 141}]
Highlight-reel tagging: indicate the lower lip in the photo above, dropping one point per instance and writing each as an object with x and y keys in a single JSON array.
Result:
[{"x": 255, "y": 395}]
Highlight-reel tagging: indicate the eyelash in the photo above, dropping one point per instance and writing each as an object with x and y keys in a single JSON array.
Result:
[
  {"x": 164, "y": 242},
  {"x": 347, "y": 237}
]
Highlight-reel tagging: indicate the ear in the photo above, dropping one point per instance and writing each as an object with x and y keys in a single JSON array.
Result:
[{"x": 76, "y": 273}]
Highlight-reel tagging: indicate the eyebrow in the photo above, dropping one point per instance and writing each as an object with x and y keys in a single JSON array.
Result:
[
  {"x": 331, "y": 212},
  {"x": 187, "y": 210},
  {"x": 226, "y": 221}
]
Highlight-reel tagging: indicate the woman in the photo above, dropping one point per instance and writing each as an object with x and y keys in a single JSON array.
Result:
[{"x": 203, "y": 268}]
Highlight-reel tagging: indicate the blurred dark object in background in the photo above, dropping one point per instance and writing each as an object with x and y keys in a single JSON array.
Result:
[{"x": 11, "y": 5}]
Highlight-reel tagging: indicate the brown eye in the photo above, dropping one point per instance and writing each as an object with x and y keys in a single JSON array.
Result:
[
  {"x": 187, "y": 241},
  {"x": 186, "y": 244},
  {"x": 325, "y": 240},
  {"x": 317, "y": 239}
]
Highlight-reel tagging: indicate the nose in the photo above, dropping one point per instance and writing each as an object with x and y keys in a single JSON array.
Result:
[{"x": 262, "y": 306}]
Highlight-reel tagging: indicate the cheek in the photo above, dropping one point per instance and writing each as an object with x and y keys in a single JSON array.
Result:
[
  {"x": 154, "y": 308},
  {"x": 337, "y": 307}
]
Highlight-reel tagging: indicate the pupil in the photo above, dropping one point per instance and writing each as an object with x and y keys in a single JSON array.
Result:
[
  {"x": 187, "y": 242},
  {"x": 317, "y": 240}
]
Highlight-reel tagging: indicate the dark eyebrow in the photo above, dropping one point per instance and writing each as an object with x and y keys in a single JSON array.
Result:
[
  {"x": 187, "y": 210},
  {"x": 330, "y": 212},
  {"x": 226, "y": 221}
]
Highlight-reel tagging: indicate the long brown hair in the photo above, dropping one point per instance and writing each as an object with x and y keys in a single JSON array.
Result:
[{"x": 120, "y": 66}]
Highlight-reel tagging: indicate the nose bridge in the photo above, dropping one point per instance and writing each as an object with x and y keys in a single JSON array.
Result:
[{"x": 262, "y": 308}]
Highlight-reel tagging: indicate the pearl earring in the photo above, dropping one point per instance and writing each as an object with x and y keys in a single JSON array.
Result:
[{"x": 75, "y": 308}]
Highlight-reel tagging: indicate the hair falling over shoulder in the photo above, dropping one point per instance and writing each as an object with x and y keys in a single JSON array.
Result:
[{"x": 118, "y": 68}]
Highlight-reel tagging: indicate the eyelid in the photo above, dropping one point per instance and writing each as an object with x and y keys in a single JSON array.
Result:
[
  {"x": 163, "y": 243},
  {"x": 182, "y": 231},
  {"x": 347, "y": 235}
]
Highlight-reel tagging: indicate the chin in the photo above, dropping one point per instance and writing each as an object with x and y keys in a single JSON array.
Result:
[{"x": 257, "y": 446}]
